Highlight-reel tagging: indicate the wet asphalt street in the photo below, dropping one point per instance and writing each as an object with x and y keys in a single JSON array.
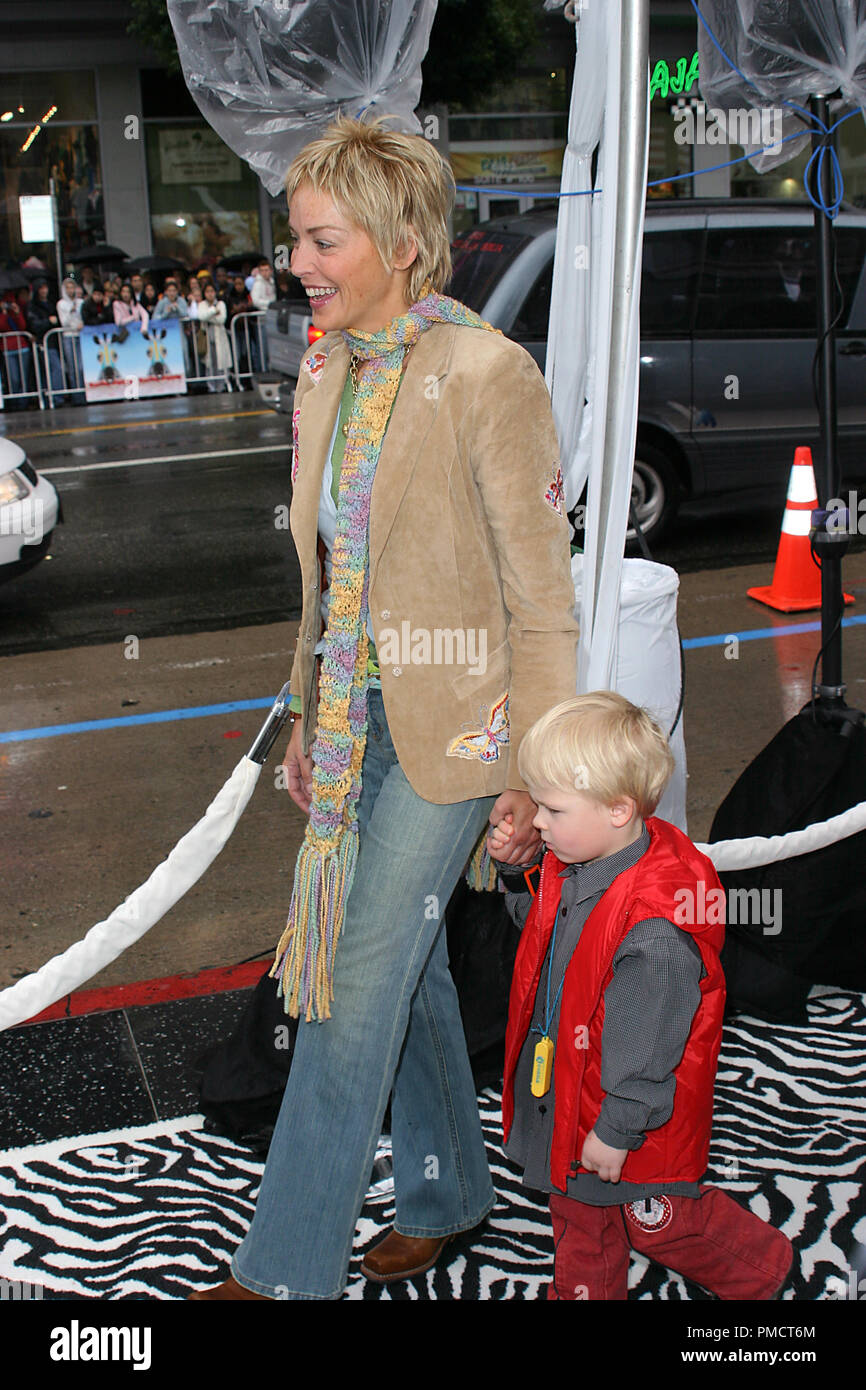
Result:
[{"x": 169, "y": 523}]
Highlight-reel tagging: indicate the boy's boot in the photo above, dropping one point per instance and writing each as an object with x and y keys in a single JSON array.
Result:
[
  {"x": 591, "y": 1259},
  {"x": 713, "y": 1241}
]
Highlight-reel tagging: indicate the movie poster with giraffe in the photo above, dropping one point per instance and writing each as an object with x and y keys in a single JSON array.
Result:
[{"x": 122, "y": 365}]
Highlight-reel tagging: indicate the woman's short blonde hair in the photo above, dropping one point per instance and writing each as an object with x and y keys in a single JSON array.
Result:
[
  {"x": 600, "y": 744},
  {"x": 386, "y": 183}
]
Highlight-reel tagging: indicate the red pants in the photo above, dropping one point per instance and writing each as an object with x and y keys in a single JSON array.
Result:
[{"x": 710, "y": 1239}]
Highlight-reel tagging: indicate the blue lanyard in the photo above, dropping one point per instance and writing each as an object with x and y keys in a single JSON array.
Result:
[{"x": 548, "y": 1016}]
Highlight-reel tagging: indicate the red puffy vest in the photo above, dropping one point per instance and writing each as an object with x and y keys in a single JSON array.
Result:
[{"x": 671, "y": 880}]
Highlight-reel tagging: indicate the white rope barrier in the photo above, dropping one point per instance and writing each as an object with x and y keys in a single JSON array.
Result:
[
  {"x": 136, "y": 914},
  {"x": 199, "y": 847},
  {"x": 750, "y": 853}
]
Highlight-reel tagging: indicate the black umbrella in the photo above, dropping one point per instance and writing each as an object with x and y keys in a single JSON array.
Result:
[
  {"x": 95, "y": 255},
  {"x": 156, "y": 263},
  {"x": 235, "y": 262},
  {"x": 13, "y": 280}
]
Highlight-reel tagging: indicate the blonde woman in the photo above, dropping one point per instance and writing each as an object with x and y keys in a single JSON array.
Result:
[{"x": 425, "y": 462}]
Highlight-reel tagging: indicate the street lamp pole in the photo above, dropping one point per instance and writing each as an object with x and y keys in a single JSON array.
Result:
[{"x": 56, "y": 219}]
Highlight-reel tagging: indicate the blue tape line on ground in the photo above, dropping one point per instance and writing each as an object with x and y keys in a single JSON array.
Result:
[
  {"x": 166, "y": 716},
  {"x": 756, "y": 633}
]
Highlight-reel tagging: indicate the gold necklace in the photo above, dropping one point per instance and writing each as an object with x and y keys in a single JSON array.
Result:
[{"x": 353, "y": 373}]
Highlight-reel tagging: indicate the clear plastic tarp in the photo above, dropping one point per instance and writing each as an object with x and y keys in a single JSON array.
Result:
[
  {"x": 270, "y": 75},
  {"x": 787, "y": 51}
]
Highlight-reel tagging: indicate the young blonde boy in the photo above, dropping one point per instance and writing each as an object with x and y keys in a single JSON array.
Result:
[{"x": 615, "y": 1018}]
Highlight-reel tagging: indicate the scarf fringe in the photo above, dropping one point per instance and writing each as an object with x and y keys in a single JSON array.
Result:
[
  {"x": 482, "y": 874},
  {"x": 304, "y": 960}
]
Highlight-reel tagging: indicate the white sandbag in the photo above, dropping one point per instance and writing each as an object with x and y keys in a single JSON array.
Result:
[{"x": 648, "y": 659}]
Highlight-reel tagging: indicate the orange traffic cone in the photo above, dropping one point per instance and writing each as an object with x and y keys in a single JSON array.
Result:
[{"x": 796, "y": 582}]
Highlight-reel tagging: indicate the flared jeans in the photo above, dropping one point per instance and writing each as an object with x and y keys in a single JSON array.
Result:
[{"x": 395, "y": 1029}]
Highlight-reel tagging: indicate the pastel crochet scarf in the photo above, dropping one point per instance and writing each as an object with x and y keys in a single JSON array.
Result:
[{"x": 325, "y": 867}]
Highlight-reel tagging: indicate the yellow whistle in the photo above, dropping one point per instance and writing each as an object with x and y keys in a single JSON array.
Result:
[{"x": 542, "y": 1065}]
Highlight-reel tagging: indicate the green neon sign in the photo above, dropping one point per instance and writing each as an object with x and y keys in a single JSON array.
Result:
[{"x": 680, "y": 81}]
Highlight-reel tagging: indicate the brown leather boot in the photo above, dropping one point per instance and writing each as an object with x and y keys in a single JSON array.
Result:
[
  {"x": 402, "y": 1257},
  {"x": 231, "y": 1289}
]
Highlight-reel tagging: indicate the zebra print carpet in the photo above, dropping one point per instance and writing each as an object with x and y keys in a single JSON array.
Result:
[{"x": 153, "y": 1212}]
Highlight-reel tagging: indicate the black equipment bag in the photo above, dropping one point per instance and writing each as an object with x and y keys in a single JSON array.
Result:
[
  {"x": 243, "y": 1077},
  {"x": 806, "y": 774}
]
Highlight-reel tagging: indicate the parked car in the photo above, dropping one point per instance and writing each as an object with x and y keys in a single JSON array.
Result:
[
  {"x": 728, "y": 338},
  {"x": 29, "y": 511}
]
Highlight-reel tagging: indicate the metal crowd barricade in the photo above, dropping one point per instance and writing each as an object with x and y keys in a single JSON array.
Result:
[
  {"x": 201, "y": 367},
  {"x": 63, "y": 374},
  {"x": 250, "y": 355},
  {"x": 19, "y": 367}
]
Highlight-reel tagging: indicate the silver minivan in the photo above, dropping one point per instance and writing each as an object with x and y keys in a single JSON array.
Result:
[{"x": 728, "y": 338}]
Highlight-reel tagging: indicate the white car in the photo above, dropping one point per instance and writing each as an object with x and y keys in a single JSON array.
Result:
[{"x": 29, "y": 511}]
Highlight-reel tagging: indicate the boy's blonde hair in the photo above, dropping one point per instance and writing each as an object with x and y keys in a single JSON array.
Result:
[
  {"x": 600, "y": 744},
  {"x": 386, "y": 183}
]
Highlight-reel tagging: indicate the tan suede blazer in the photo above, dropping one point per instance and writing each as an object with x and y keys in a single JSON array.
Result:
[{"x": 471, "y": 596}]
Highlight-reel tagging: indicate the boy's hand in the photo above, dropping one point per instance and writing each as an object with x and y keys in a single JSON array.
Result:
[
  {"x": 500, "y": 834},
  {"x": 524, "y": 841},
  {"x": 601, "y": 1158}
]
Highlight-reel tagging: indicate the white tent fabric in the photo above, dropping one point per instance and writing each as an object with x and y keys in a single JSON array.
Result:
[
  {"x": 136, "y": 914},
  {"x": 594, "y": 397},
  {"x": 648, "y": 668}
]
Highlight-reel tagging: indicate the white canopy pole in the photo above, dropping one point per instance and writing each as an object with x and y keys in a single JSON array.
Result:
[{"x": 594, "y": 337}]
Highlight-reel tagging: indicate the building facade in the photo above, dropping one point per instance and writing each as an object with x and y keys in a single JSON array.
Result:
[{"x": 134, "y": 164}]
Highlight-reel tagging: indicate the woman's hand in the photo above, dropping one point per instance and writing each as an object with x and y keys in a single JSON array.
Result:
[
  {"x": 299, "y": 770},
  {"x": 524, "y": 841}
]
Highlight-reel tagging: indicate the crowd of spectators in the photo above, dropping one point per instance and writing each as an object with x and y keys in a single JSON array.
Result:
[{"x": 205, "y": 303}]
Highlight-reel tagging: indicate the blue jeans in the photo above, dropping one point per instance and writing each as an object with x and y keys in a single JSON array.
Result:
[
  {"x": 395, "y": 1025},
  {"x": 17, "y": 377}
]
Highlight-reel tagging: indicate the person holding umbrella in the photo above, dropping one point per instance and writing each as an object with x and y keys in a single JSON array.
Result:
[{"x": 448, "y": 525}]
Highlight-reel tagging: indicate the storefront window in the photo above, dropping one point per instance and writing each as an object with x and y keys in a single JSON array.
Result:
[
  {"x": 48, "y": 130},
  {"x": 203, "y": 197},
  {"x": 667, "y": 158}
]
